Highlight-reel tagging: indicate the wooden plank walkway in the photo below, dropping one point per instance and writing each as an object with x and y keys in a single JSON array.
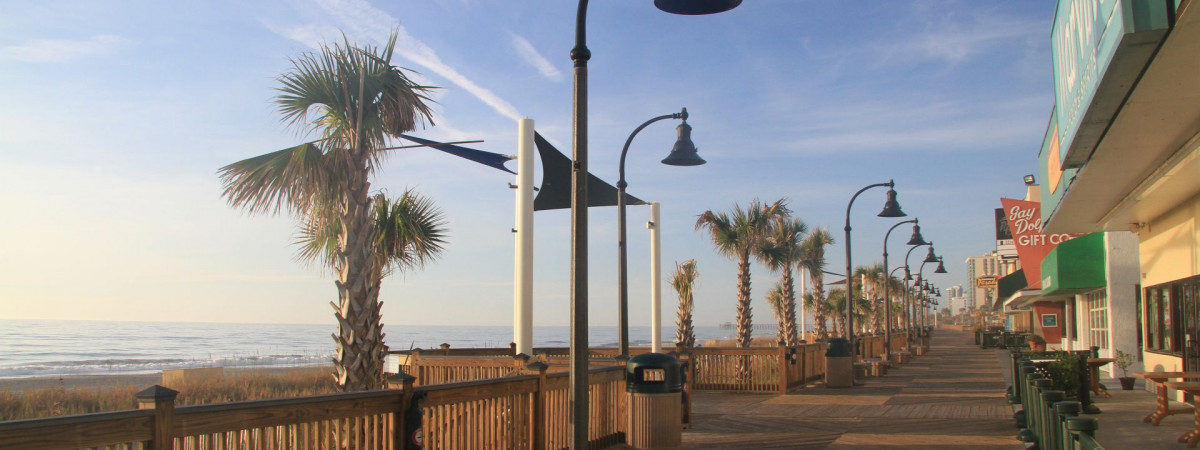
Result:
[{"x": 952, "y": 397}]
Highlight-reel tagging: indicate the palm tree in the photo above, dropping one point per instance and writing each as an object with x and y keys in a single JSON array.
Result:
[
  {"x": 871, "y": 294},
  {"x": 357, "y": 101},
  {"x": 684, "y": 280},
  {"x": 812, "y": 259},
  {"x": 740, "y": 235},
  {"x": 775, "y": 301},
  {"x": 836, "y": 304},
  {"x": 780, "y": 251}
]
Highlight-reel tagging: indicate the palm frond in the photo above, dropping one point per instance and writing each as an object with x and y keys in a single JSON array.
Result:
[
  {"x": 289, "y": 179},
  {"x": 410, "y": 231}
]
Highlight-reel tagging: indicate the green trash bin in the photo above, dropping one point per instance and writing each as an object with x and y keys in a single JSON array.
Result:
[{"x": 654, "y": 385}]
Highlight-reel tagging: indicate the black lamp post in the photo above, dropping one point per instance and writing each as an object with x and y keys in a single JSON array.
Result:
[
  {"x": 909, "y": 308},
  {"x": 578, "y": 420},
  {"x": 916, "y": 239},
  {"x": 891, "y": 208},
  {"x": 682, "y": 154}
]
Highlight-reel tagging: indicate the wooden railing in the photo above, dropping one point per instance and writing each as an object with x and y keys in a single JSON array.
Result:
[
  {"x": 764, "y": 369},
  {"x": 757, "y": 369},
  {"x": 519, "y": 412},
  {"x": 438, "y": 369}
]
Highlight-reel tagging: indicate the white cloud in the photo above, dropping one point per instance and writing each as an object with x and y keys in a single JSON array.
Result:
[
  {"x": 531, "y": 56},
  {"x": 61, "y": 50},
  {"x": 955, "y": 40},
  {"x": 359, "y": 20}
]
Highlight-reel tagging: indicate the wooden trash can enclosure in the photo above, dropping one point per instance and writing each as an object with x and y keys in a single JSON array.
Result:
[{"x": 654, "y": 384}]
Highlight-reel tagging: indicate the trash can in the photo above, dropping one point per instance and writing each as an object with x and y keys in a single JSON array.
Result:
[
  {"x": 839, "y": 363},
  {"x": 654, "y": 383}
]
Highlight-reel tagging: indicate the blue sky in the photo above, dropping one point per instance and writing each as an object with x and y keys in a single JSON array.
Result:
[{"x": 117, "y": 114}]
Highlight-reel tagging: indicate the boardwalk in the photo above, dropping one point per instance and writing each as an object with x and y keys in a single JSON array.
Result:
[{"x": 950, "y": 398}]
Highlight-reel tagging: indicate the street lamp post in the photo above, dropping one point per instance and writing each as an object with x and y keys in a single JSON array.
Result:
[
  {"x": 682, "y": 154},
  {"x": 909, "y": 308},
  {"x": 916, "y": 239},
  {"x": 891, "y": 208},
  {"x": 578, "y": 421},
  {"x": 929, "y": 258}
]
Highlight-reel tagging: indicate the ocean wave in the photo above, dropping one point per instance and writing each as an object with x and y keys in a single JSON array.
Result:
[{"x": 153, "y": 365}]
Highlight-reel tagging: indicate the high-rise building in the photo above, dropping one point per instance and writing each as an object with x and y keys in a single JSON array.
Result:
[{"x": 982, "y": 274}]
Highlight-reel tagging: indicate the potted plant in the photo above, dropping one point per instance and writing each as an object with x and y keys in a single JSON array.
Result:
[
  {"x": 1037, "y": 343},
  {"x": 1123, "y": 361}
]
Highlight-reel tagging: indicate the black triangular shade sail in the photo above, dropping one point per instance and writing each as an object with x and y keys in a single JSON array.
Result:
[
  {"x": 555, "y": 192},
  {"x": 494, "y": 160}
]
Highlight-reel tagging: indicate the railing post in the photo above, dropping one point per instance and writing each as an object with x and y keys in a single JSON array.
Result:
[
  {"x": 162, "y": 401},
  {"x": 445, "y": 348},
  {"x": 537, "y": 429},
  {"x": 512, "y": 348},
  {"x": 400, "y": 429},
  {"x": 520, "y": 363}
]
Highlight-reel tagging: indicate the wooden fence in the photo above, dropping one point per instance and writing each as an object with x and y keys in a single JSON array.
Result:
[{"x": 518, "y": 412}]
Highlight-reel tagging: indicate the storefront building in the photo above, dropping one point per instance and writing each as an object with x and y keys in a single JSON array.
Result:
[{"x": 1122, "y": 154}]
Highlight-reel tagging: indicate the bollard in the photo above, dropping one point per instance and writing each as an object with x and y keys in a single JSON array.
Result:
[
  {"x": 1062, "y": 412},
  {"x": 1048, "y": 434},
  {"x": 1083, "y": 432}
]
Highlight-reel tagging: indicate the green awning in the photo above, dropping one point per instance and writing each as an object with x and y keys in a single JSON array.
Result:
[
  {"x": 1075, "y": 266},
  {"x": 1010, "y": 284}
]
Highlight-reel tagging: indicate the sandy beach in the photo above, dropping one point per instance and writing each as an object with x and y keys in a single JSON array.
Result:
[{"x": 108, "y": 381}]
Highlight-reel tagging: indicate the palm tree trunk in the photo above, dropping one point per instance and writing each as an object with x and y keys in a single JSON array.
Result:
[
  {"x": 820, "y": 327},
  {"x": 359, "y": 361},
  {"x": 745, "y": 323},
  {"x": 685, "y": 334},
  {"x": 789, "y": 308}
]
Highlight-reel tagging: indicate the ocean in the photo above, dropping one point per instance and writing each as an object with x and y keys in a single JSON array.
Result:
[{"x": 33, "y": 348}]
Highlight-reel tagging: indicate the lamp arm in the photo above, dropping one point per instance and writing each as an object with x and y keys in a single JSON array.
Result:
[
  {"x": 580, "y": 54},
  {"x": 911, "y": 250},
  {"x": 621, "y": 178},
  {"x": 890, "y": 184},
  {"x": 889, "y": 234}
]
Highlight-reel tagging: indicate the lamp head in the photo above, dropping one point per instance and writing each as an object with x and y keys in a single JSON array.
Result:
[
  {"x": 941, "y": 268},
  {"x": 891, "y": 208},
  {"x": 930, "y": 257},
  {"x": 907, "y": 274},
  {"x": 684, "y": 151},
  {"x": 1029, "y": 180},
  {"x": 916, "y": 238},
  {"x": 696, "y": 7}
]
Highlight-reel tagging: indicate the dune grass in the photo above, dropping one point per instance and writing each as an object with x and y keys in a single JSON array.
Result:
[{"x": 234, "y": 386}]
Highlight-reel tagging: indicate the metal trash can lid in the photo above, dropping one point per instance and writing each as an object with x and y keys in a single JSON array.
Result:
[
  {"x": 838, "y": 347},
  {"x": 653, "y": 373}
]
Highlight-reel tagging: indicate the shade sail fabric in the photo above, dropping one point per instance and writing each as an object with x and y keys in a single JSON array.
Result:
[
  {"x": 1075, "y": 266},
  {"x": 494, "y": 160},
  {"x": 555, "y": 192}
]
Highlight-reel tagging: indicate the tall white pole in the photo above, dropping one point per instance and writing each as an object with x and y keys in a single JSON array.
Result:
[
  {"x": 523, "y": 259},
  {"x": 804, "y": 318},
  {"x": 655, "y": 279}
]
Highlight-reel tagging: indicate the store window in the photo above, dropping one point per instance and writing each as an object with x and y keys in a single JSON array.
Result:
[
  {"x": 1096, "y": 304},
  {"x": 1166, "y": 305}
]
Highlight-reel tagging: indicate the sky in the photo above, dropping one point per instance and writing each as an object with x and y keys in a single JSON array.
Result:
[{"x": 117, "y": 115}]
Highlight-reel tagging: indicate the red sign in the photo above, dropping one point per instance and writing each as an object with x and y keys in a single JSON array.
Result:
[{"x": 1025, "y": 222}]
